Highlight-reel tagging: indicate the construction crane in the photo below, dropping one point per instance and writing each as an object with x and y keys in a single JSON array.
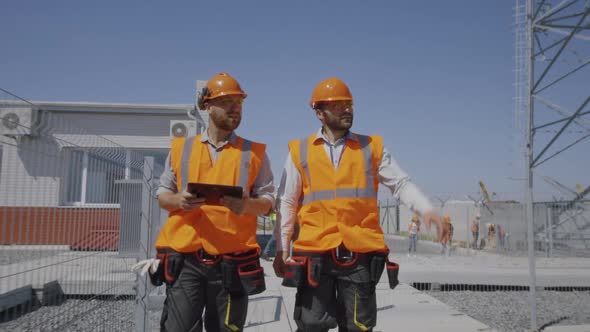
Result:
[
  {"x": 484, "y": 191},
  {"x": 485, "y": 198}
]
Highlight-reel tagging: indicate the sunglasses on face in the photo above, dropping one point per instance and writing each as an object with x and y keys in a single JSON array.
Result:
[
  {"x": 228, "y": 103},
  {"x": 338, "y": 106}
]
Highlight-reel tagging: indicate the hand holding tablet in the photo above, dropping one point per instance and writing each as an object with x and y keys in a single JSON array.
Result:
[{"x": 214, "y": 192}]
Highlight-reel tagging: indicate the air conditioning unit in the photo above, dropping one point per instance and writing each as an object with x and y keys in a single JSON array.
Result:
[
  {"x": 183, "y": 128},
  {"x": 17, "y": 121}
]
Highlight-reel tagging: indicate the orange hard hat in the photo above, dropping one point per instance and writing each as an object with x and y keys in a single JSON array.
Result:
[
  {"x": 222, "y": 84},
  {"x": 446, "y": 218},
  {"x": 415, "y": 217},
  {"x": 331, "y": 89}
]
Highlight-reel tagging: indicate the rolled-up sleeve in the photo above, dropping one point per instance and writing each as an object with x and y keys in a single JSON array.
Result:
[
  {"x": 393, "y": 177},
  {"x": 263, "y": 186},
  {"x": 289, "y": 201},
  {"x": 167, "y": 179}
]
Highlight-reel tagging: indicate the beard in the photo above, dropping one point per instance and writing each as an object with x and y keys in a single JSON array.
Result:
[
  {"x": 224, "y": 121},
  {"x": 339, "y": 122}
]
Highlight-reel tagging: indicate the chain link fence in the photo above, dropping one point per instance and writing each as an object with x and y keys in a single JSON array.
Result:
[
  {"x": 484, "y": 272},
  {"x": 78, "y": 210},
  {"x": 70, "y": 222}
]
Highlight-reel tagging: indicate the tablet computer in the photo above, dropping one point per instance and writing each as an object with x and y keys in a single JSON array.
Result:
[{"x": 213, "y": 192}]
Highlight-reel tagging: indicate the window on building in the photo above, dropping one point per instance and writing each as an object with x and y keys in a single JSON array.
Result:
[
  {"x": 91, "y": 174},
  {"x": 73, "y": 180}
]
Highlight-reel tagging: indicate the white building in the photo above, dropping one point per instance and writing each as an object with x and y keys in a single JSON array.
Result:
[{"x": 60, "y": 162}]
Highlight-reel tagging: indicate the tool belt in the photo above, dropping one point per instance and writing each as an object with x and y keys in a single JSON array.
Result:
[
  {"x": 243, "y": 270},
  {"x": 238, "y": 270},
  {"x": 305, "y": 267}
]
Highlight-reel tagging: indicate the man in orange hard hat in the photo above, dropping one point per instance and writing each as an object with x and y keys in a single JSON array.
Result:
[
  {"x": 329, "y": 187},
  {"x": 208, "y": 254}
]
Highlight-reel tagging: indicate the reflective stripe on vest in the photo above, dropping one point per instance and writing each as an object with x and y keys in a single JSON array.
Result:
[
  {"x": 367, "y": 192},
  {"x": 187, "y": 148}
]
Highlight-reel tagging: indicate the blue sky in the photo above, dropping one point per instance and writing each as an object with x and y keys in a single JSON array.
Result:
[{"x": 434, "y": 78}]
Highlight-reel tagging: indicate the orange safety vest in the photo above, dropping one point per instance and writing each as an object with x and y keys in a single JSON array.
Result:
[
  {"x": 215, "y": 229},
  {"x": 339, "y": 205}
]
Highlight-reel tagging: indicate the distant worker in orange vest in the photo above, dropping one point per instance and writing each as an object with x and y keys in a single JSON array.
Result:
[
  {"x": 209, "y": 257},
  {"x": 330, "y": 189},
  {"x": 447, "y": 235}
]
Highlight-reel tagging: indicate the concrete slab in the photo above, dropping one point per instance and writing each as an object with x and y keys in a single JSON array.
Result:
[
  {"x": 52, "y": 294},
  {"x": 23, "y": 296},
  {"x": 76, "y": 272}
]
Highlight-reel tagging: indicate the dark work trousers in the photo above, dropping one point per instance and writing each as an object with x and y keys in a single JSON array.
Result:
[
  {"x": 345, "y": 298},
  {"x": 197, "y": 288}
]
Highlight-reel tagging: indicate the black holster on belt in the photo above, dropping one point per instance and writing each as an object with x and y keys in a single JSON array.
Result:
[
  {"x": 392, "y": 272},
  {"x": 376, "y": 266},
  {"x": 243, "y": 272},
  {"x": 314, "y": 270},
  {"x": 295, "y": 272},
  {"x": 380, "y": 261},
  {"x": 157, "y": 278},
  {"x": 303, "y": 270},
  {"x": 171, "y": 263}
]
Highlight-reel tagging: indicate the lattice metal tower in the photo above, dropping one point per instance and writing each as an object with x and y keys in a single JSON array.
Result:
[{"x": 552, "y": 92}]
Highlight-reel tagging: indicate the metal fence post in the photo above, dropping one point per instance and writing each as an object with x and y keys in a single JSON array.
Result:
[
  {"x": 550, "y": 232},
  {"x": 142, "y": 323},
  {"x": 547, "y": 226},
  {"x": 388, "y": 216},
  {"x": 467, "y": 231},
  {"x": 397, "y": 217}
]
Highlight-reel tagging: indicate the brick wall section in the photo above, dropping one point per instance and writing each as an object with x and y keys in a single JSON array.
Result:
[{"x": 54, "y": 225}]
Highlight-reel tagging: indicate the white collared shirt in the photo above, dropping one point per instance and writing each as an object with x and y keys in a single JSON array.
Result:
[
  {"x": 263, "y": 185},
  {"x": 389, "y": 174}
]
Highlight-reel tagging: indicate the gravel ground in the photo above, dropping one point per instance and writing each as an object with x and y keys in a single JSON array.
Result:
[
  {"x": 77, "y": 315},
  {"x": 16, "y": 256},
  {"x": 509, "y": 311}
]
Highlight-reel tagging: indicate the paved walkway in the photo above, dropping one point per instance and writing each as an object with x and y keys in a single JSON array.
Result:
[{"x": 403, "y": 309}]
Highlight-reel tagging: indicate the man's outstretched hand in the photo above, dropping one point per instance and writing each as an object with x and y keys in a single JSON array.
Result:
[{"x": 431, "y": 218}]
